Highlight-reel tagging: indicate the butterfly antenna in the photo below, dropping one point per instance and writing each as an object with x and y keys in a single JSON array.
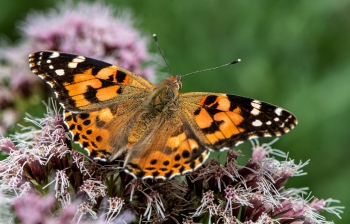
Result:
[
  {"x": 204, "y": 70},
  {"x": 156, "y": 40}
]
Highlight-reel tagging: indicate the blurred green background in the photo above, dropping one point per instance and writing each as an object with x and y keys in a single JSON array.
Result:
[{"x": 295, "y": 54}]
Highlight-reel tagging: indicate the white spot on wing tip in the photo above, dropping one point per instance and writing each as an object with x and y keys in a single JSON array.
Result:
[
  {"x": 79, "y": 59},
  {"x": 257, "y": 123},
  {"x": 256, "y": 104},
  {"x": 278, "y": 111},
  {"x": 72, "y": 65},
  {"x": 255, "y": 111},
  {"x": 59, "y": 72},
  {"x": 53, "y": 55}
]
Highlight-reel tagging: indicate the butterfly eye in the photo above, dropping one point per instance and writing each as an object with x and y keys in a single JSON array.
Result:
[{"x": 179, "y": 85}]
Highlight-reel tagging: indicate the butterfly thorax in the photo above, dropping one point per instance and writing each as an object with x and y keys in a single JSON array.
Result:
[
  {"x": 164, "y": 94},
  {"x": 162, "y": 98}
]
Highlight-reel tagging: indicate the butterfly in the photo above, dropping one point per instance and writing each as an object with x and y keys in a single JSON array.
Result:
[{"x": 163, "y": 133}]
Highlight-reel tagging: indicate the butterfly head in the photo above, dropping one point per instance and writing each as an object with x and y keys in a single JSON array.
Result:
[
  {"x": 176, "y": 81},
  {"x": 165, "y": 92},
  {"x": 173, "y": 82}
]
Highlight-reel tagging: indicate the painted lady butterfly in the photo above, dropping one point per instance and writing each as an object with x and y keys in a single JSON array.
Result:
[{"x": 110, "y": 111}]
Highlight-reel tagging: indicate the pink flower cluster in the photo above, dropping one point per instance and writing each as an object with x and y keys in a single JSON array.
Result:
[{"x": 91, "y": 30}]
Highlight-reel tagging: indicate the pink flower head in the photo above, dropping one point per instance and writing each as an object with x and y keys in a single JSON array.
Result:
[
  {"x": 32, "y": 208},
  {"x": 6, "y": 145}
]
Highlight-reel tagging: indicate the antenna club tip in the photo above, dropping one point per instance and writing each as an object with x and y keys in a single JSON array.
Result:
[
  {"x": 155, "y": 37},
  {"x": 236, "y": 61}
]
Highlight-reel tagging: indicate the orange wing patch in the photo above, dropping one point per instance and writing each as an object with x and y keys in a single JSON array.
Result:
[
  {"x": 108, "y": 93},
  {"x": 220, "y": 102},
  {"x": 229, "y": 122},
  {"x": 219, "y": 125},
  {"x": 88, "y": 88},
  {"x": 88, "y": 129}
]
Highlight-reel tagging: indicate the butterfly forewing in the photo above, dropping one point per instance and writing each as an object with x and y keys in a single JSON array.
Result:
[
  {"x": 225, "y": 121},
  {"x": 85, "y": 84}
]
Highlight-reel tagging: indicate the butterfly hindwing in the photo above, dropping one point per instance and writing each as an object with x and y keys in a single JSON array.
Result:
[
  {"x": 173, "y": 150},
  {"x": 103, "y": 133}
]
